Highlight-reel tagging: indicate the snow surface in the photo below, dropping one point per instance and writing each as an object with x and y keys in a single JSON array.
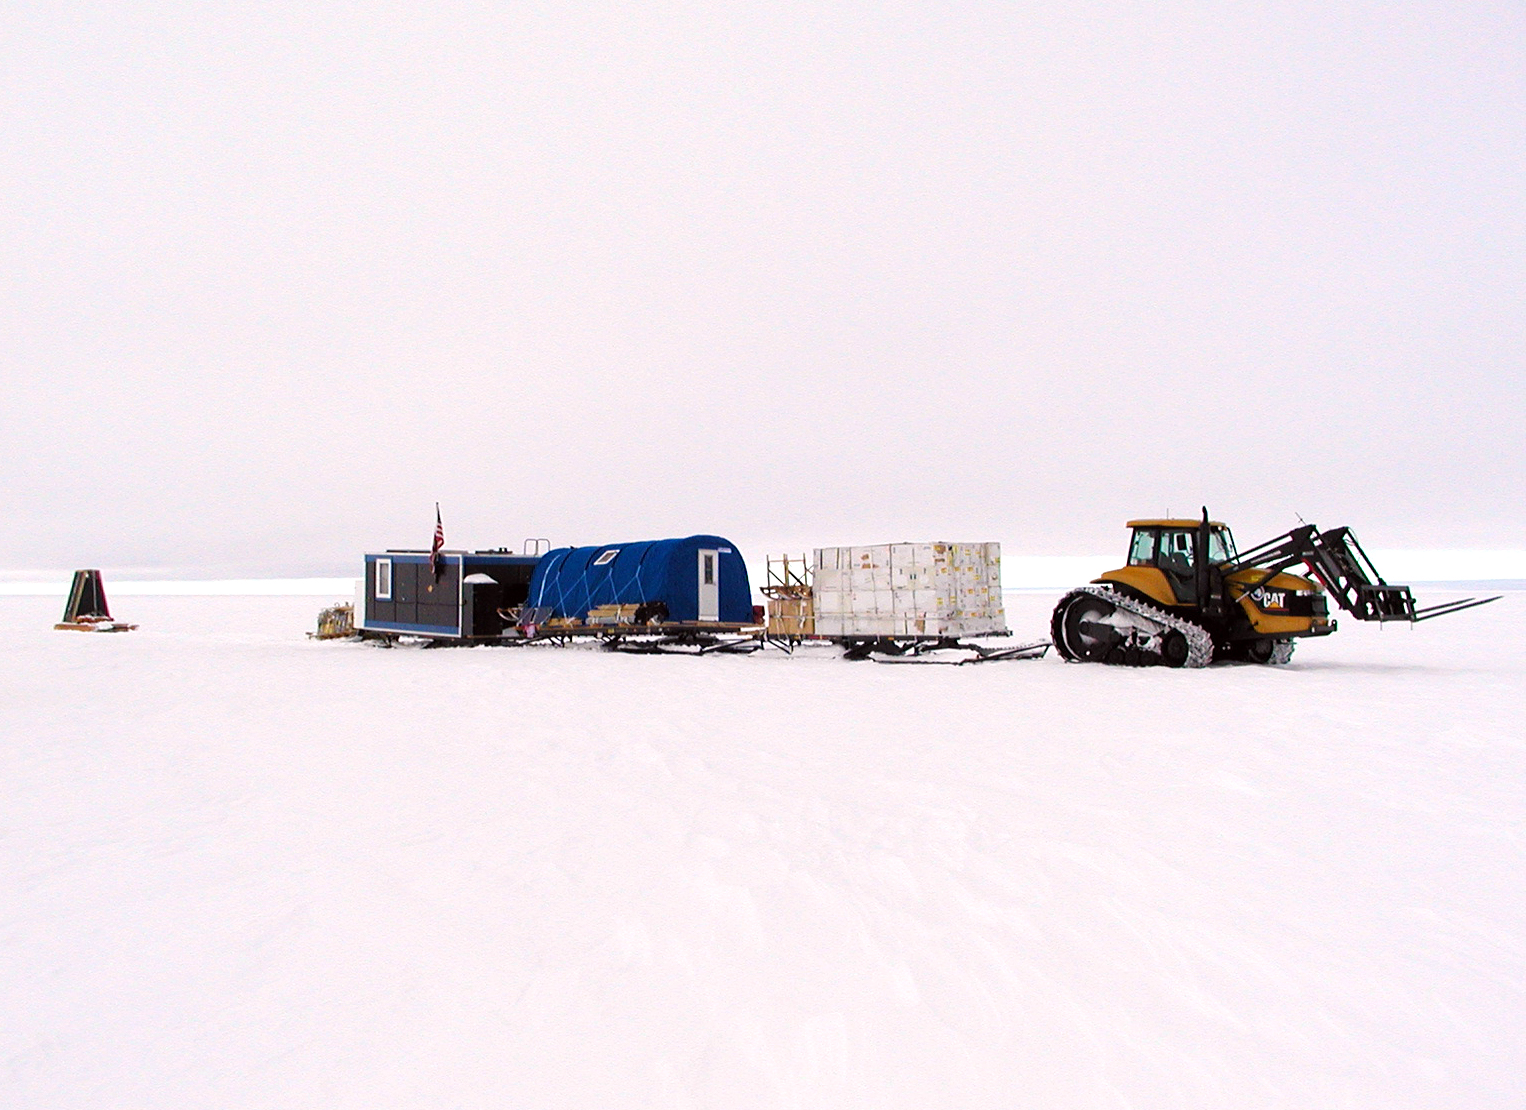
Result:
[{"x": 245, "y": 869}]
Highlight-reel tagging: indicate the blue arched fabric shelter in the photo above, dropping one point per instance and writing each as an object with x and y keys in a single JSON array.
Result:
[{"x": 572, "y": 580}]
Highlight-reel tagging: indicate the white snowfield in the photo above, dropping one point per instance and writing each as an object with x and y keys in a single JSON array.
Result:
[{"x": 241, "y": 869}]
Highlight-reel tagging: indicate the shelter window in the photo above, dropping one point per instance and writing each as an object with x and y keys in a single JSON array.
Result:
[
  {"x": 709, "y": 570},
  {"x": 384, "y": 579},
  {"x": 606, "y": 557},
  {"x": 1142, "y": 552}
]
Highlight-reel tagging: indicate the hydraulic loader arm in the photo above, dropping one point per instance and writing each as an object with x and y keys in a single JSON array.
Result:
[{"x": 1337, "y": 560}]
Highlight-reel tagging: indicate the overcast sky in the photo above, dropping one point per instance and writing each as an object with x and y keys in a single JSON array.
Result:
[{"x": 279, "y": 276}]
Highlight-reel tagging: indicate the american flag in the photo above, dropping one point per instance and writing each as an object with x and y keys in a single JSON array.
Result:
[{"x": 439, "y": 542}]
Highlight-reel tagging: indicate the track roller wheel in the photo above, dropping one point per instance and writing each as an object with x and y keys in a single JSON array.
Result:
[
  {"x": 1174, "y": 649},
  {"x": 1269, "y": 652}
]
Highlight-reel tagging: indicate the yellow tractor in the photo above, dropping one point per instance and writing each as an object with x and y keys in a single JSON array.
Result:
[{"x": 1187, "y": 597}]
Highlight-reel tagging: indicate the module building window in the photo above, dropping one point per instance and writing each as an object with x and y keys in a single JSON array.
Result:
[
  {"x": 606, "y": 557},
  {"x": 383, "y": 580},
  {"x": 709, "y": 570}
]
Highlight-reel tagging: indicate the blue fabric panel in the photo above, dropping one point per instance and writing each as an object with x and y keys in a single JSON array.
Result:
[
  {"x": 567, "y": 580},
  {"x": 736, "y": 591}
]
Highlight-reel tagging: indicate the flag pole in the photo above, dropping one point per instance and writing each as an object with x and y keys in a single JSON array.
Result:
[{"x": 439, "y": 542}]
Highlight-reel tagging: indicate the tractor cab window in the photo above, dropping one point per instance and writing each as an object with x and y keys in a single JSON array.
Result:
[
  {"x": 1142, "y": 550},
  {"x": 1221, "y": 546},
  {"x": 1176, "y": 548}
]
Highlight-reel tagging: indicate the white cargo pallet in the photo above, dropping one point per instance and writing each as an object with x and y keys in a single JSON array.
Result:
[{"x": 908, "y": 590}]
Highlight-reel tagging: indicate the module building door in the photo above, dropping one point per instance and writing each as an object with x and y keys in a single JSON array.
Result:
[{"x": 709, "y": 585}]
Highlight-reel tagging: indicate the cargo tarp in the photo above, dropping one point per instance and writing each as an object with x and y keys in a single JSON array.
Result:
[{"x": 573, "y": 580}]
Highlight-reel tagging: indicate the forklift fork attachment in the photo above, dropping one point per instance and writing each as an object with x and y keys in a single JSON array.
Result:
[{"x": 1453, "y": 607}]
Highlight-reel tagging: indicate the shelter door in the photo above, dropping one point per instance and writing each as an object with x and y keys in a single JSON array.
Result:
[{"x": 709, "y": 585}]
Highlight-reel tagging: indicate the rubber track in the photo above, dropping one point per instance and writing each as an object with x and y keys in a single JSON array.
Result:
[{"x": 1199, "y": 643}]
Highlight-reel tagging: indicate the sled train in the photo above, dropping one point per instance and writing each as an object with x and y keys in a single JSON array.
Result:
[{"x": 1186, "y": 597}]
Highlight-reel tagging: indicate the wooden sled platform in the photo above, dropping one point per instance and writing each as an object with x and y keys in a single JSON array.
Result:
[
  {"x": 662, "y": 638},
  {"x": 94, "y": 626}
]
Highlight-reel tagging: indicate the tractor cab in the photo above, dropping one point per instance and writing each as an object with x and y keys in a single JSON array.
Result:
[
  {"x": 1169, "y": 544},
  {"x": 1170, "y": 547}
]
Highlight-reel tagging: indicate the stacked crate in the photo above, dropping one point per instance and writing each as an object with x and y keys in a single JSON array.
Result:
[
  {"x": 908, "y": 590},
  {"x": 788, "y": 590},
  {"x": 790, "y": 613}
]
